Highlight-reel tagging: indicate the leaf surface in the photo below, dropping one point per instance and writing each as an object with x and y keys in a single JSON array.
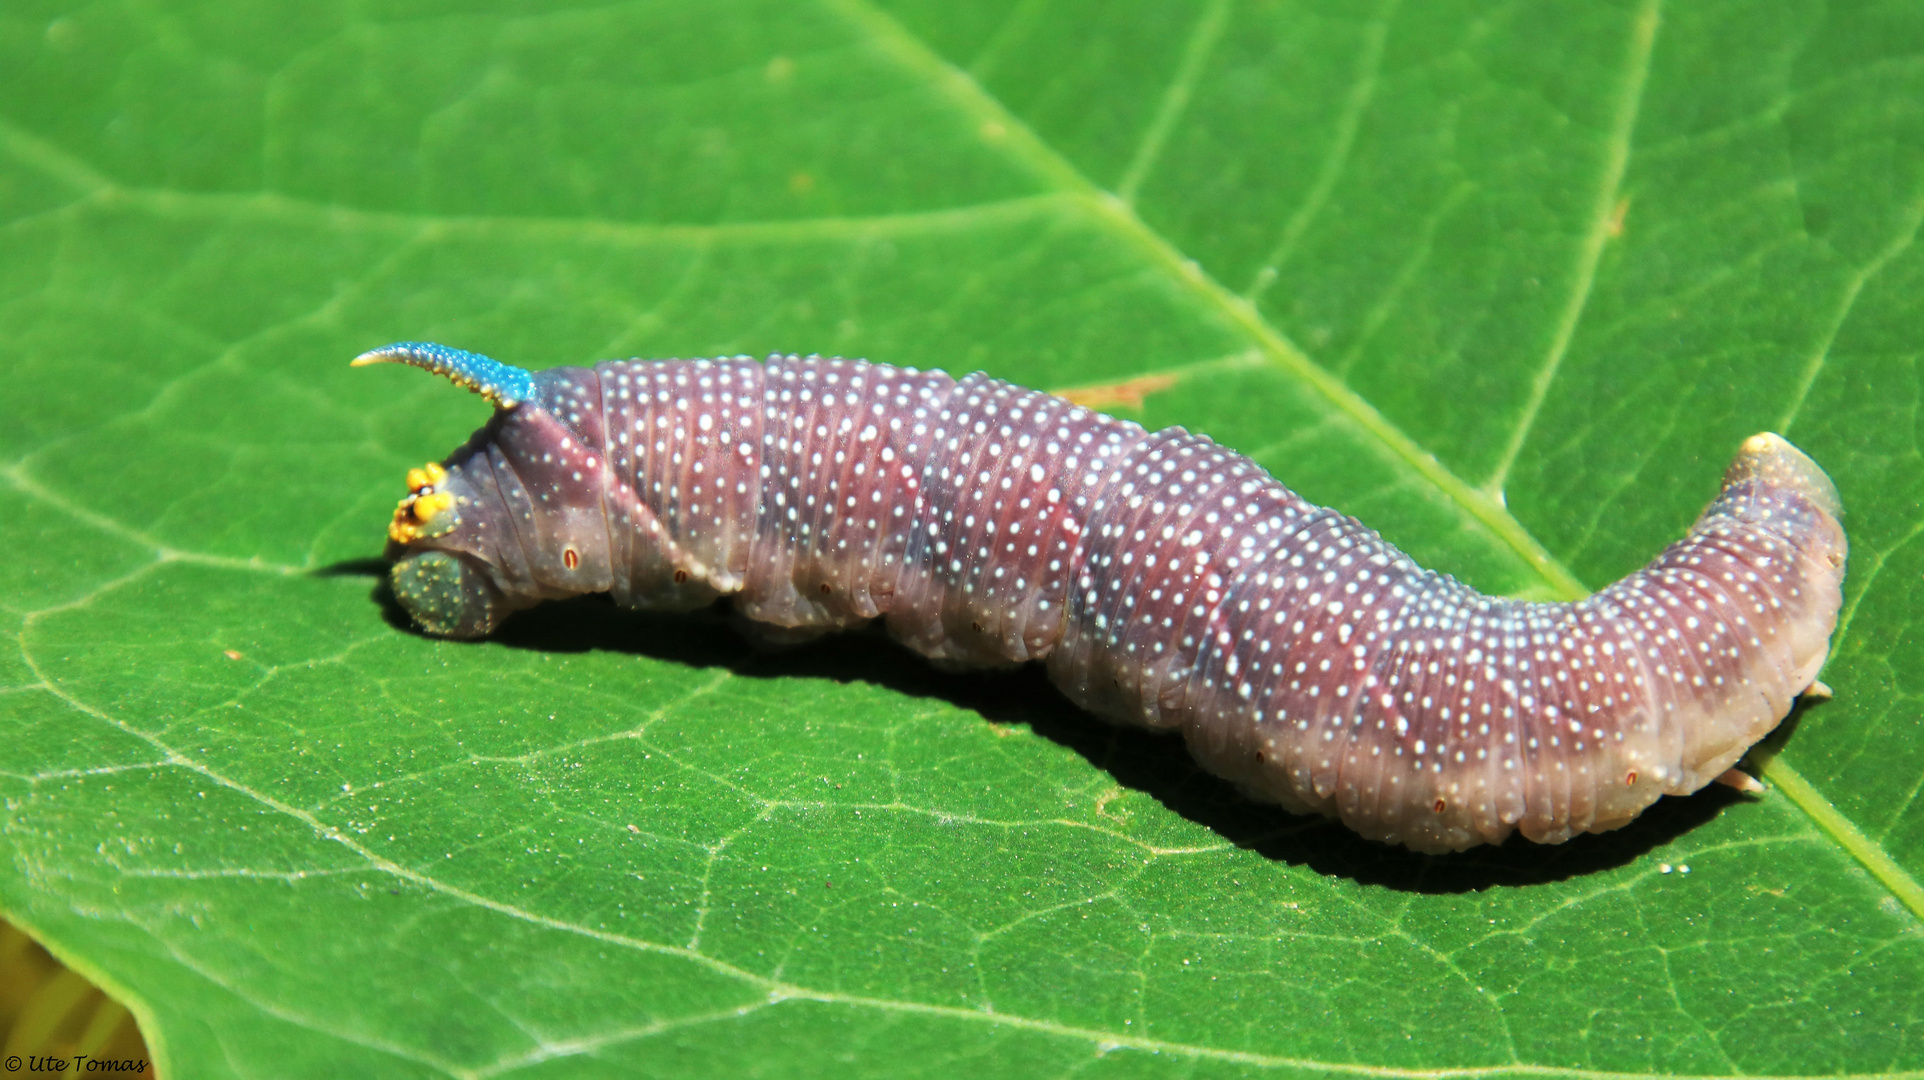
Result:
[{"x": 1508, "y": 283}]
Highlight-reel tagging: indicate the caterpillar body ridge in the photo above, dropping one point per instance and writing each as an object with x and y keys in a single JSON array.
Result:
[{"x": 1165, "y": 581}]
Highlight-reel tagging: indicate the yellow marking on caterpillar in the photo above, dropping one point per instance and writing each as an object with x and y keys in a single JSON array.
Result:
[
  {"x": 413, "y": 514},
  {"x": 428, "y": 507},
  {"x": 429, "y": 475}
]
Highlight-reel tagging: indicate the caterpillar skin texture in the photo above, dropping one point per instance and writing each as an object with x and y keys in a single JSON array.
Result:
[{"x": 1165, "y": 581}]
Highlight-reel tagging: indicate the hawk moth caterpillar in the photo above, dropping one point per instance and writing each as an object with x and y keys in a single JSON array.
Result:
[{"x": 1165, "y": 581}]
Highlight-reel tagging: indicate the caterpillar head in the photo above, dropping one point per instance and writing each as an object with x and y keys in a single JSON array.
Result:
[
  {"x": 447, "y": 591},
  {"x": 515, "y": 515}
]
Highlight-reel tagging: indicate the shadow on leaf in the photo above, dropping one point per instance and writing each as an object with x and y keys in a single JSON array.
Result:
[{"x": 1154, "y": 764}]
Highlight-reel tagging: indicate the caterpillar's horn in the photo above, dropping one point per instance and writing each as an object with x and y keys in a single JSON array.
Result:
[{"x": 503, "y": 385}]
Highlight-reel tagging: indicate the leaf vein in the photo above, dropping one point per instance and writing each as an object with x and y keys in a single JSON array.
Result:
[
  {"x": 1369, "y": 65},
  {"x": 1175, "y": 99},
  {"x": 1604, "y": 211},
  {"x": 1854, "y": 285}
]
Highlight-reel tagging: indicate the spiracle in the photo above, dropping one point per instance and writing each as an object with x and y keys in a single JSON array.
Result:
[{"x": 1165, "y": 581}]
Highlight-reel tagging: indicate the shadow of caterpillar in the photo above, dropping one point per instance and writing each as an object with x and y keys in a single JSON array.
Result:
[{"x": 1166, "y": 582}]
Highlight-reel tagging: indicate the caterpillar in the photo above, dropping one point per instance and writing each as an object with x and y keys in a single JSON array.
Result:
[{"x": 1165, "y": 581}]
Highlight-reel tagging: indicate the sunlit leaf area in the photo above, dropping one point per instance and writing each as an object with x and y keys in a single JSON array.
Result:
[{"x": 1508, "y": 282}]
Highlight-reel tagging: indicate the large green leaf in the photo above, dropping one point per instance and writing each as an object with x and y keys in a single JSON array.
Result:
[{"x": 1509, "y": 282}]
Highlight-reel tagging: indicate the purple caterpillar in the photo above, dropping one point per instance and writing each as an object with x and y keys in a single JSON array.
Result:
[{"x": 1165, "y": 581}]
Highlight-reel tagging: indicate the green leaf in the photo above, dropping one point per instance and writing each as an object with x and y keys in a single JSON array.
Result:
[{"x": 1509, "y": 282}]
